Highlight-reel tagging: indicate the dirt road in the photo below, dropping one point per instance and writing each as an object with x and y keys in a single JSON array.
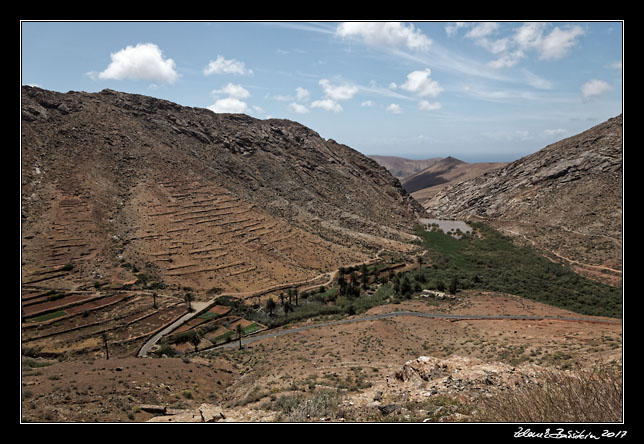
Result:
[{"x": 252, "y": 339}]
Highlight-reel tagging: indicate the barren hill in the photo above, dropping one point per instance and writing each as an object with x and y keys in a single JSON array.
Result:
[
  {"x": 448, "y": 171},
  {"x": 118, "y": 184},
  {"x": 565, "y": 199},
  {"x": 400, "y": 167}
]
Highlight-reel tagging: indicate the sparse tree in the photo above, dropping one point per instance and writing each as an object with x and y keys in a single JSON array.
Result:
[
  {"x": 354, "y": 279},
  {"x": 453, "y": 285},
  {"x": 107, "y": 351},
  {"x": 270, "y": 306},
  {"x": 188, "y": 297},
  {"x": 419, "y": 259},
  {"x": 154, "y": 299},
  {"x": 405, "y": 286},
  {"x": 195, "y": 339},
  {"x": 240, "y": 333},
  {"x": 287, "y": 308},
  {"x": 364, "y": 276},
  {"x": 282, "y": 298},
  {"x": 396, "y": 285}
]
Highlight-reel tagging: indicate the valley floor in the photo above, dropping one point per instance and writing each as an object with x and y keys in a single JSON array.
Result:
[{"x": 355, "y": 361}]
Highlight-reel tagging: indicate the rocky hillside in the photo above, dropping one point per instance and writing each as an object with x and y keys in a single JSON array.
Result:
[
  {"x": 446, "y": 172},
  {"x": 192, "y": 197},
  {"x": 400, "y": 167},
  {"x": 565, "y": 199}
]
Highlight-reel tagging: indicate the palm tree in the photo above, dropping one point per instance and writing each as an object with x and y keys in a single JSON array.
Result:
[
  {"x": 189, "y": 298},
  {"x": 240, "y": 332},
  {"x": 195, "y": 339},
  {"x": 107, "y": 351},
  {"x": 364, "y": 276},
  {"x": 270, "y": 306}
]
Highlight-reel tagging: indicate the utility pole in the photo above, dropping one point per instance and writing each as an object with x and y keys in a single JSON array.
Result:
[{"x": 107, "y": 351}]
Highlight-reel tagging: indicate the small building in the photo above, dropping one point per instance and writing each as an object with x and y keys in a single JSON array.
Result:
[{"x": 436, "y": 295}]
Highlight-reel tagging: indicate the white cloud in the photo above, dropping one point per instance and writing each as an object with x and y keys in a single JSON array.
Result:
[
  {"x": 232, "y": 90},
  {"x": 419, "y": 83},
  {"x": 482, "y": 30},
  {"x": 141, "y": 62},
  {"x": 338, "y": 92},
  {"x": 535, "y": 81},
  {"x": 480, "y": 34},
  {"x": 555, "y": 132},
  {"x": 297, "y": 108},
  {"x": 302, "y": 94},
  {"x": 385, "y": 34},
  {"x": 228, "y": 105},
  {"x": 508, "y": 135},
  {"x": 617, "y": 65},
  {"x": 529, "y": 35},
  {"x": 224, "y": 66},
  {"x": 594, "y": 88},
  {"x": 554, "y": 45},
  {"x": 559, "y": 42},
  {"x": 327, "y": 104},
  {"x": 453, "y": 28},
  {"x": 394, "y": 108},
  {"x": 367, "y": 103},
  {"x": 532, "y": 36},
  {"x": 428, "y": 106},
  {"x": 506, "y": 60}
]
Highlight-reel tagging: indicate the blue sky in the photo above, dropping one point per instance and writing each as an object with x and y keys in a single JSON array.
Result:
[{"x": 478, "y": 91}]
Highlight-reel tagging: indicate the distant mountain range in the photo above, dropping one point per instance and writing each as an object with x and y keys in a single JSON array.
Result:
[
  {"x": 424, "y": 178},
  {"x": 400, "y": 167}
]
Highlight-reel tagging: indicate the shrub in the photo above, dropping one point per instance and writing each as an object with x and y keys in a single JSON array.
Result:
[{"x": 585, "y": 395}]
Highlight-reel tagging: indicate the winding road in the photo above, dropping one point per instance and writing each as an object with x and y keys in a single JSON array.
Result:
[
  {"x": 276, "y": 334},
  {"x": 200, "y": 306}
]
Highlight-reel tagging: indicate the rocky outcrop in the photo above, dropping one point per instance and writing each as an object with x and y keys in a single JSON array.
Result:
[
  {"x": 427, "y": 376},
  {"x": 565, "y": 198},
  {"x": 211, "y": 413}
]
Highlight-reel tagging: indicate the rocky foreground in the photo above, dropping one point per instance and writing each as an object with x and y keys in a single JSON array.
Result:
[{"x": 425, "y": 381}]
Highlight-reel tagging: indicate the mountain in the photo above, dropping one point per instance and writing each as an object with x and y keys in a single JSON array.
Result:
[
  {"x": 565, "y": 199},
  {"x": 117, "y": 187},
  {"x": 400, "y": 167},
  {"x": 443, "y": 173}
]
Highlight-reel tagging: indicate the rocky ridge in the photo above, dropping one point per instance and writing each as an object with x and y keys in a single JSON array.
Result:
[
  {"x": 106, "y": 174},
  {"x": 565, "y": 198}
]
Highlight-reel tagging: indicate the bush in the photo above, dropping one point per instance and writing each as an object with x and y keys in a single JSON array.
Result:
[{"x": 585, "y": 395}]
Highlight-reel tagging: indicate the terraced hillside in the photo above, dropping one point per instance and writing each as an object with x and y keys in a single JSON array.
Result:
[{"x": 121, "y": 187}]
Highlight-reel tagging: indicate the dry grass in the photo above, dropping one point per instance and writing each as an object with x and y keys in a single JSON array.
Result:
[{"x": 584, "y": 395}]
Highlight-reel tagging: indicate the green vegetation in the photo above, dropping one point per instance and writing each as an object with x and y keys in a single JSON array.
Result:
[
  {"x": 208, "y": 315},
  {"x": 486, "y": 261},
  {"x": 48, "y": 316},
  {"x": 492, "y": 262}
]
